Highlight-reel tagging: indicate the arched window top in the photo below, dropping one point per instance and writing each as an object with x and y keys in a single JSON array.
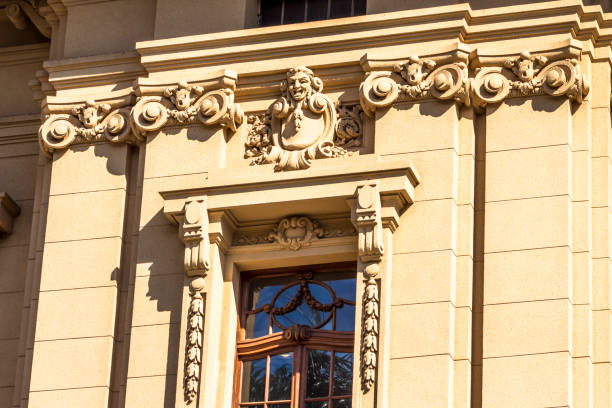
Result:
[{"x": 323, "y": 301}]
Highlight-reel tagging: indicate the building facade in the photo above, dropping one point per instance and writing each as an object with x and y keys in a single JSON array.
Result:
[{"x": 404, "y": 207}]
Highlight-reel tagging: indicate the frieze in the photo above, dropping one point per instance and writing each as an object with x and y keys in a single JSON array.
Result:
[{"x": 295, "y": 233}]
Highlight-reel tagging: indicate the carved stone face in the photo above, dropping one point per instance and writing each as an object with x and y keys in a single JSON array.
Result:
[
  {"x": 89, "y": 116},
  {"x": 414, "y": 73},
  {"x": 524, "y": 69},
  {"x": 299, "y": 85},
  {"x": 182, "y": 98}
]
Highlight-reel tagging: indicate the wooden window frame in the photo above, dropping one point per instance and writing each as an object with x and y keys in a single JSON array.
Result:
[
  {"x": 276, "y": 343},
  {"x": 305, "y": 15}
]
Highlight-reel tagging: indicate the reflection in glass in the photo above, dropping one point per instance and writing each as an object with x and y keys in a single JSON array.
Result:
[
  {"x": 278, "y": 405},
  {"x": 253, "y": 380},
  {"x": 342, "y": 403},
  {"x": 317, "y": 404},
  {"x": 343, "y": 284},
  {"x": 343, "y": 374},
  {"x": 279, "y": 387},
  {"x": 256, "y": 325},
  {"x": 345, "y": 318},
  {"x": 317, "y": 377}
]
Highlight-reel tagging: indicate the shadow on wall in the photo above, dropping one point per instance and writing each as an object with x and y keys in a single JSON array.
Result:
[{"x": 162, "y": 251}]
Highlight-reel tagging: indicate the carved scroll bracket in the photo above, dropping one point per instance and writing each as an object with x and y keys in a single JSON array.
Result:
[{"x": 86, "y": 123}]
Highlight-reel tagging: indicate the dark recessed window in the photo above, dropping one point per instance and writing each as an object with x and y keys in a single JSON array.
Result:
[{"x": 274, "y": 12}]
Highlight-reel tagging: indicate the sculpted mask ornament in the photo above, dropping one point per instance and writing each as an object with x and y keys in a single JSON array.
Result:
[
  {"x": 299, "y": 127},
  {"x": 418, "y": 79},
  {"x": 528, "y": 75},
  {"x": 185, "y": 104},
  {"x": 89, "y": 122}
]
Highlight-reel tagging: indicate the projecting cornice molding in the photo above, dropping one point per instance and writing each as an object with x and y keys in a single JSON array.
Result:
[{"x": 8, "y": 211}]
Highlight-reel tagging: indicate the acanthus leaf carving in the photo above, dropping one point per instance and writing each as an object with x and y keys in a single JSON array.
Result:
[
  {"x": 528, "y": 75},
  {"x": 414, "y": 80},
  {"x": 366, "y": 216},
  {"x": 86, "y": 123},
  {"x": 193, "y": 232},
  {"x": 185, "y": 104},
  {"x": 298, "y": 128}
]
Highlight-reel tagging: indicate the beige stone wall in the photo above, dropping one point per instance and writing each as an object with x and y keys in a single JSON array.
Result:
[{"x": 494, "y": 213}]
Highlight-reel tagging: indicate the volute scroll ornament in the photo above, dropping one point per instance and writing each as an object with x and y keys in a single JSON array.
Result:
[
  {"x": 86, "y": 123},
  {"x": 413, "y": 80},
  {"x": 185, "y": 104},
  {"x": 299, "y": 127},
  {"x": 529, "y": 75}
]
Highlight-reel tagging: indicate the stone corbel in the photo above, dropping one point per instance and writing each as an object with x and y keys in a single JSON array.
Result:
[
  {"x": 211, "y": 103},
  {"x": 20, "y": 11},
  {"x": 555, "y": 73},
  {"x": 193, "y": 231},
  {"x": 8, "y": 211},
  {"x": 442, "y": 77}
]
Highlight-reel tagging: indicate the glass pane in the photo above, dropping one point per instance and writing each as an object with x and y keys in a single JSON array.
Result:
[
  {"x": 343, "y": 374},
  {"x": 253, "y": 406},
  {"x": 317, "y": 378},
  {"x": 345, "y": 318},
  {"x": 257, "y": 325},
  {"x": 342, "y": 283},
  {"x": 280, "y": 377},
  {"x": 340, "y": 8},
  {"x": 304, "y": 314},
  {"x": 253, "y": 380},
  {"x": 278, "y": 405},
  {"x": 262, "y": 290},
  {"x": 271, "y": 12},
  {"x": 317, "y": 10},
  {"x": 342, "y": 403},
  {"x": 317, "y": 404},
  {"x": 294, "y": 11}
]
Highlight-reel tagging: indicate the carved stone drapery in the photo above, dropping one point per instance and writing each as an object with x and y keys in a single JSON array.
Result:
[
  {"x": 414, "y": 80},
  {"x": 184, "y": 104},
  {"x": 366, "y": 216},
  {"x": 193, "y": 232},
  {"x": 300, "y": 126}
]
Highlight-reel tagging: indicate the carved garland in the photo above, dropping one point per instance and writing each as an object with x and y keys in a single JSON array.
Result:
[
  {"x": 366, "y": 216},
  {"x": 524, "y": 75},
  {"x": 194, "y": 233}
]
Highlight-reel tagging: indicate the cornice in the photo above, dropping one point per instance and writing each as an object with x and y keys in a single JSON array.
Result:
[
  {"x": 24, "y": 54},
  {"x": 22, "y": 128}
]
